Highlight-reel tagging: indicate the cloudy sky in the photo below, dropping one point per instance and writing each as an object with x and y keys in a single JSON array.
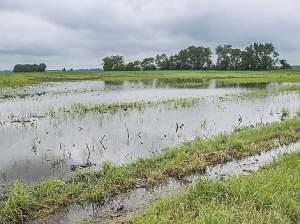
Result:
[{"x": 79, "y": 33}]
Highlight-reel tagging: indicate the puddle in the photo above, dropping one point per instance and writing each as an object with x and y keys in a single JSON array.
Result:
[
  {"x": 47, "y": 147},
  {"x": 124, "y": 206}
]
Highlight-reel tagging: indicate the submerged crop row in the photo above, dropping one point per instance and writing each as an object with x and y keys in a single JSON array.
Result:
[
  {"x": 270, "y": 91},
  {"x": 31, "y": 202},
  {"x": 269, "y": 196},
  {"x": 173, "y": 103},
  {"x": 124, "y": 106}
]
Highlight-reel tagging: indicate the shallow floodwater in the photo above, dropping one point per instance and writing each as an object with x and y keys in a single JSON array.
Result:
[
  {"x": 124, "y": 206},
  {"x": 40, "y": 147},
  {"x": 39, "y": 99}
]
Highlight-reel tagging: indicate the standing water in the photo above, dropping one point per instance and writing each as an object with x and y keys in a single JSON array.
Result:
[{"x": 38, "y": 146}]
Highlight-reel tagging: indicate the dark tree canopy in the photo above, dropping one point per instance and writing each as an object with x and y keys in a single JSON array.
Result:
[
  {"x": 162, "y": 62},
  {"x": 113, "y": 63},
  {"x": 257, "y": 56},
  {"x": 284, "y": 64},
  {"x": 30, "y": 68},
  {"x": 133, "y": 66},
  {"x": 148, "y": 64}
]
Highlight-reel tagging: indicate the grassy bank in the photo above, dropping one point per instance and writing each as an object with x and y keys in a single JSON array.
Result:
[
  {"x": 191, "y": 78},
  {"x": 31, "y": 202},
  {"x": 269, "y": 196}
]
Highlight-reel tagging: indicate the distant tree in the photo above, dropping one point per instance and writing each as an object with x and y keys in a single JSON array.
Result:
[
  {"x": 129, "y": 67},
  {"x": 64, "y": 70},
  {"x": 284, "y": 64},
  {"x": 162, "y": 62},
  {"x": 199, "y": 57},
  {"x": 30, "y": 68},
  {"x": 192, "y": 58},
  {"x": 148, "y": 64},
  {"x": 223, "y": 53},
  {"x": 183, "y": 60},
  {"x": 17, "y": 68},
  {"x": 113, "y": 63},
  {"x": 42, "y": 67},
  {"x": 259, "y": 56},
  {"x": 133, "y": 66},
  {"x": 235, "y": 59},
  {"x": 137, "y": 65},
  {"x": 228, "y": 58},
  {"x": 71, "y": 70}
]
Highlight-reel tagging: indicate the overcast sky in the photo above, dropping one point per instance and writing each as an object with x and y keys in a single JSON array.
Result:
[{"x": 79, "y": 33}]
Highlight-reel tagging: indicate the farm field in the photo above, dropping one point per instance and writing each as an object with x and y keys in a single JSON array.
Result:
[{"x": 81, "y": 145}]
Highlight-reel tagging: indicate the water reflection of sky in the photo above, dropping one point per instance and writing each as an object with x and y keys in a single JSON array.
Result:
[{"x": 51, "y": 145}]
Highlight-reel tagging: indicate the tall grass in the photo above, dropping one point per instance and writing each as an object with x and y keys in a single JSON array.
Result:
[{"x": 269, "y": 196}]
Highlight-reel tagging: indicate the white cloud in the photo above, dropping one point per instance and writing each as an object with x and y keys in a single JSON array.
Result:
[{"x": 80, "y": 33}]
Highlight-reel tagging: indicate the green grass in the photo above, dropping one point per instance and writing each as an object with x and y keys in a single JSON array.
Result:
[
  {"x": 265, "y": 92},
  {"x": 172, "y": 103},
  {"x": 269, "y": 196},
  {"x": 31, "y": 202},
  {"x": 22, "y": 79},
  {"x": 196, "y": 78},
  {"x": 124, "y": 106}
]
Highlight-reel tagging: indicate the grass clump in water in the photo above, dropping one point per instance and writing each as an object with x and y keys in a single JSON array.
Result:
[
  {"x": 269, "y": 196},
  {"x": 124, "y": 106},
  {"x": 271, "y": 91}
]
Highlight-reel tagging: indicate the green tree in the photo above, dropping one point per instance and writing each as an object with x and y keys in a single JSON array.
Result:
[
  {"x": 259, "y": 56},
  {"x": 42, "y": 67},
  {"x": 148, "y": 64},
  {"x": 133, "y": 66},
  {"x": 113, "y": 63},
  {"x": 199, "y": 57},
  {"x": 192, "y": 58},
  {"x": 162, "y": 62},
  {"x": 30, "y": 68},
  {"x": 224, "y": 54},
  {"x": 284, "y": 64},
  {"x": 174, "y": 62},
  {"x": 235, "y": 59}
]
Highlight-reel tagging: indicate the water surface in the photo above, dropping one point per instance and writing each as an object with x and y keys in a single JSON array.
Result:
[{"x": 40, "y": 147}]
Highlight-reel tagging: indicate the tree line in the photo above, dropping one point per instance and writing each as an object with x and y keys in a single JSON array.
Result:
[
  {"x": 30, "y": 68},
  {"x": 257, "y": 56}
]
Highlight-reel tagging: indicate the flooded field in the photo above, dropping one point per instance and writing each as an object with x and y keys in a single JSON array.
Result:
[{"x": 37, "y": 145}]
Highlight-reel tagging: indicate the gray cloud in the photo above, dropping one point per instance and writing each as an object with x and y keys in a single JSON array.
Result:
[{"x": 78, "y": 33}]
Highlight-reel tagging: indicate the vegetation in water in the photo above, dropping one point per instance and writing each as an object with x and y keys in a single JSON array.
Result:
[
  {"x": 31, "y": 202},
  {"x": 139, "y": 105},
  {"x": 255, "y": 93}
]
